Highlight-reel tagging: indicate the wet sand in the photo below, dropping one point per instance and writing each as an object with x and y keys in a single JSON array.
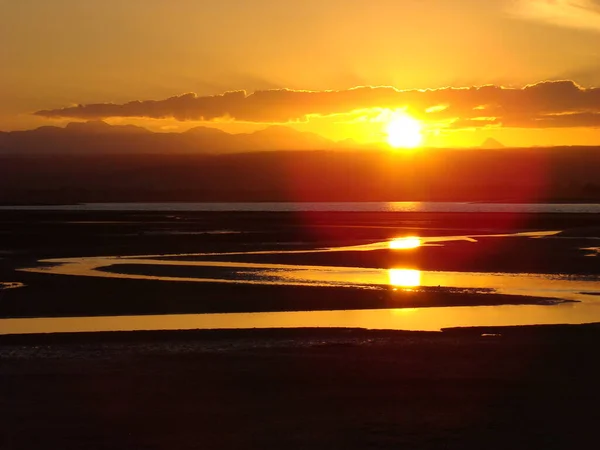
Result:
[
  {"x": 318, "y": 389},
  {"x": 79, "y": 296}
]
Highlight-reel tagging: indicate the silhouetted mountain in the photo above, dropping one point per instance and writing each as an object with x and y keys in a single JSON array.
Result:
[
  {"x": 97, "y": 127},
  {"x": 284, "y": 138},
  {"x": 97, "y": 137},
  {"x": 206, "y": 132},
  {"x": 491, "y": 143}
]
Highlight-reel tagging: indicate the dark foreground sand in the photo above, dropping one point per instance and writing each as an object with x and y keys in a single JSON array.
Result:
[{"x": 309, "y": 389}]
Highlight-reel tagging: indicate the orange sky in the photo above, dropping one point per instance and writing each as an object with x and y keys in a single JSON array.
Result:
[{"x": 60, "y": 53}]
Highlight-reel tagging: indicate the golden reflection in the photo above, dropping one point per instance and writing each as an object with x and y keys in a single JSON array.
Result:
[
  {"x": 405, "y": 243},
  {"x": 403, "y": 311},
  {"x": 404, "y": 277}
]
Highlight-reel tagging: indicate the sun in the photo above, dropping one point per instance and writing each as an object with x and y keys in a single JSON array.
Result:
[{"x": 404, "y": 132}]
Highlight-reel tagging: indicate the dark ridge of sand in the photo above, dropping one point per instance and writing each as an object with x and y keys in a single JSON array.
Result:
[
  {"x": 58, "y": 234},
  {"x": 290, "y": 336},
  {"x": 524, "y": 332},
  {"x": 31, "y": 236},
  {"x": 200, "y": 336},
  {"x": 47, "y": 295},
  {"x": 297, "y": 389},
  {"x": 488, "y": 254}
]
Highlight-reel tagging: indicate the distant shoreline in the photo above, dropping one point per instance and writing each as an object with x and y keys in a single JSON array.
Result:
[
  {"x": 583, "y": 201},
  {"x": 411, "y": 208}
]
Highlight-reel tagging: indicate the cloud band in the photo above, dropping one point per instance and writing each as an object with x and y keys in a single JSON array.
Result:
[{"x": 545, "y": 104}]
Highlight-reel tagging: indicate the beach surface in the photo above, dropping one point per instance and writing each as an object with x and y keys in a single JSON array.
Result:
[
  {"x": 322, "y": 389},
  {"x": 319, "y": 388}
]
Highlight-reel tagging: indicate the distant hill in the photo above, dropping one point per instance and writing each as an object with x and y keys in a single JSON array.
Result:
[
  {"x": 97, "y": 137},
  {"x": 283, "y": 138},
  {"x": 491, "y": 143}
]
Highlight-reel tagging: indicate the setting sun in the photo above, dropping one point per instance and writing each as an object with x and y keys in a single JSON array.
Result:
[{"x": 404, "y": 132}]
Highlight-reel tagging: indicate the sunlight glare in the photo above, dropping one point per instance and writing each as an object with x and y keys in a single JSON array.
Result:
[
  {"x": 404, "y": 131},
  {"x": 404, "y": 277},
  {"x": 405, "y": 243}
]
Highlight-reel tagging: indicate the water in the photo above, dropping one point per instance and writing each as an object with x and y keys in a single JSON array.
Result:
[
  {"x": 543, "y": 286},
  {"x": 433, "y": 207},
  {"x": 587, "y": 310},
  {"x": 424, "y": 319},
  {"x": 583, "y": 290}
]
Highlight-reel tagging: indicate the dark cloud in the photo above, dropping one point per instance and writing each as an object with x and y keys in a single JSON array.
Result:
[{"x": 545, "y": 104}]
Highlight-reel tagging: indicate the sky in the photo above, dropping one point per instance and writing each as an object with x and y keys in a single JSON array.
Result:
[{"x": 520, "y": 71}]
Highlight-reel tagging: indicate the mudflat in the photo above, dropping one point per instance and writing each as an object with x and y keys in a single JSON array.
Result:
[
  {"x": 532, "y": 387},
  {"x": 31, "y": 236},
  {"x": 493, "y": 388}
]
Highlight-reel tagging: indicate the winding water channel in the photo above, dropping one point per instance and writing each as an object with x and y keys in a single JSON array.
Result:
[{"x": 568, "y": 299}]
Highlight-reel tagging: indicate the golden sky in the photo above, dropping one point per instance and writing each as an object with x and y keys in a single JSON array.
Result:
[{"x": 251, "y": 63}]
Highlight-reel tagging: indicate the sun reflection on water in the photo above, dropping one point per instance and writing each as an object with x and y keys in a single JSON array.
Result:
[
  {"x": 404, "y": 277},
  {"x": 405, "y": 243},
  {"x": 403, "y": 311}
]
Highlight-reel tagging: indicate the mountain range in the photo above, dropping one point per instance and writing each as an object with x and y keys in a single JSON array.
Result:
[{"x": 97, "y": 137}]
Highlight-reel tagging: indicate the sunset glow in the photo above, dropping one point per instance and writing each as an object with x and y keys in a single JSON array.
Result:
[
  {"x": 444, "y": 88},
  {"x": 378, "y": 221}
]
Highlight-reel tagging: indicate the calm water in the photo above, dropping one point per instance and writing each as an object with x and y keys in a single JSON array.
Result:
[
  {"x": 586, "y": 310},
  {"x": 589, "y": 208},
  {"x": 582, "y": 289},
  {"x": 425, "y": 319}
]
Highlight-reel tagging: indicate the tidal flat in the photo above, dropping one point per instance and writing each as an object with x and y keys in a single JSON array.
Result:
[
  {"x": 313, "y": 377},
  {"x": 75, "y": 264},
  {"x": 496, "y": 388}
]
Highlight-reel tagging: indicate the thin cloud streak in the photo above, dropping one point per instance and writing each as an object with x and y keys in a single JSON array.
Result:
[{"x": 582, "y": 14}]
